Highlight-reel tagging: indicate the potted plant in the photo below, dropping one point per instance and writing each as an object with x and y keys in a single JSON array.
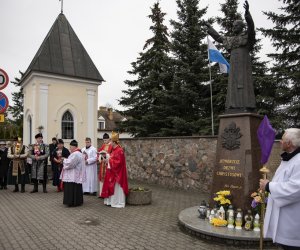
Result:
[{"x": 139, "y": 196}]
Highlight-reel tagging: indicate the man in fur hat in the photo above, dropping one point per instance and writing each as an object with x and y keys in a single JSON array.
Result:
[{"x": 39, "y": 154}]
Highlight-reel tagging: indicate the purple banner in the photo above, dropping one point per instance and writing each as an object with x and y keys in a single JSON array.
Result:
[{"x": 266, "y": 135}]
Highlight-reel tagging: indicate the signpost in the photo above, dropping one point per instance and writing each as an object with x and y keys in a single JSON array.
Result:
[
  {"x": 4, "y": 80},
  {"x": 3, "y": 103}
]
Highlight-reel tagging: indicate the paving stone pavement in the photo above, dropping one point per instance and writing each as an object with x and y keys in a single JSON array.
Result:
[{"x": 41, "y": 221}]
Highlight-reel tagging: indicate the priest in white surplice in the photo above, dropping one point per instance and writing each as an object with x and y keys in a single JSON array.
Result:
[
  {"x": 72, "y": 176},
  {"x": 282, "y": 221},
  {"x": 90, "y": 153}
]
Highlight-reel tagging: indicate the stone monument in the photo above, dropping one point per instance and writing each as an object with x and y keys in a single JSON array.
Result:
[{"x": 238, "y": 151}]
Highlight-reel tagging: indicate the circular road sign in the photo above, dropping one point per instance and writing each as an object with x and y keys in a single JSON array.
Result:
[
  {"x": 3, "y": 102},
  {"x": 4, "y": 80}
]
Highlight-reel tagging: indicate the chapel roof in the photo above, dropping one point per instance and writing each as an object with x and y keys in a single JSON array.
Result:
[{"x": 62, "y": 53}]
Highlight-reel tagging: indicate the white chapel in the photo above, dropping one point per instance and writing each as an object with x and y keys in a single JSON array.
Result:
[{"x": 60, "y": 89}]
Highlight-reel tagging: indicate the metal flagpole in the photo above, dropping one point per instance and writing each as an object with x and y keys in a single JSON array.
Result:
[{"x": 210, "y": 86}]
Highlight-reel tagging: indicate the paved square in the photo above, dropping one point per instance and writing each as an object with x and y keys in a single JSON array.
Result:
[{"x": 41, "y": 221}]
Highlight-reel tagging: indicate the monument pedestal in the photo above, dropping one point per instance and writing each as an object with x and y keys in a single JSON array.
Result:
[
  {"x": 238, "y": 158},
  {"x": 190, "y": 222}
]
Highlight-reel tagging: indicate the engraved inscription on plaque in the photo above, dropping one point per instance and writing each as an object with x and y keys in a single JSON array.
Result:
[{"x": 230, "y": 168}]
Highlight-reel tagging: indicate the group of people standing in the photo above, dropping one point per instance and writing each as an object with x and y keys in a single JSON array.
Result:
[
  {"x": 75, "y": 171},
  {"x": 16, "y": 171}
]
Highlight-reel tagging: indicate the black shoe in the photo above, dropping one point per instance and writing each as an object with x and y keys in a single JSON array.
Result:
[
  {"x": 16, "y": 189},
  {"x": 35, "y": 188},
  {"x": 22, "y": 189},
  {"x": 5, "y": 187},
  {"x": 94, "y": 194},
  {"x": 45, "y": 188},
  {"x": 1, "y": 188},
  {"x": 86, "y": 193}
]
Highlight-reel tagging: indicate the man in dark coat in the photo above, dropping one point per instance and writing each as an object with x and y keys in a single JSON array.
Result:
[
  {"x": 39, "y": 154},
  {"x": 52, "y": 148},
  {"x": 59, "y": 154},
  {"x": 4, "y": 163}
]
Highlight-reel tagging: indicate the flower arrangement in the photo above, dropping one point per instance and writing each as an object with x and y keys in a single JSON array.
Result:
[
  {"x": 37, "y": 150},
  {"x": 217, "y": 222},
  {"x": 223, "y": 198},
  {"x": 257, "y": 200}
]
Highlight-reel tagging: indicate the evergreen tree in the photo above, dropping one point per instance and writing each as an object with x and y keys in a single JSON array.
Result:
[
  {"x": 190, "y": 96},
  {"x": 17, "y": 108},
  {"x": 285, "y": 37},
  {"x": 145, "y": 98},
  {"x": 264, "y": 88}
]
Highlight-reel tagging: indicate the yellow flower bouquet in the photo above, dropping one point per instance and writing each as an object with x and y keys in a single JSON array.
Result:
[
  {"x": 217, "y": 222},
  {"x": 223, "y": 198}
]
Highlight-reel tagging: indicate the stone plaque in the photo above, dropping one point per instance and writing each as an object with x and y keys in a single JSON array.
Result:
[{"x": 238, "y": 158}]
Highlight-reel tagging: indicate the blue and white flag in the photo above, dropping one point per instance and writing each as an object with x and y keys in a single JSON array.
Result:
[{"x": 214, "y": 55}]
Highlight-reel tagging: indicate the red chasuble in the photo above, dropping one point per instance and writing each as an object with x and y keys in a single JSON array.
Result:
[
  {"x": 116, "y": 174},
  {"x": 103, "y": 165}
]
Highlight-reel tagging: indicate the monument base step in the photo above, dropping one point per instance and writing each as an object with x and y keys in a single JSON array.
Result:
[{"x": 190, "y": 222}]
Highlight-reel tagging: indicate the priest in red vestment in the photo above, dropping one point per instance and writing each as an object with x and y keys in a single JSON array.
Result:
[{"x": 115, "y": 187}]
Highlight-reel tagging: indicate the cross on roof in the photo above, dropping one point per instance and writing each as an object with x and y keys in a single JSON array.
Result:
[{"x": 62, "y": 6}]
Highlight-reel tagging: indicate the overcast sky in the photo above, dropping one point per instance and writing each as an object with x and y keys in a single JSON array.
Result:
[{"x": 112, "y": 31}]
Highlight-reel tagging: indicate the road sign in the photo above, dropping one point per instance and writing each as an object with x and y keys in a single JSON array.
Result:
[
  {"x": 1, "y": 117},
  {"x": 3, "y": 102},
  {"x": 4, "y": 80}
]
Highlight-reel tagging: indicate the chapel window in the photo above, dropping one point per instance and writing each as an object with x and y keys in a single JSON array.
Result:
[{"x": 67, "y": 126}]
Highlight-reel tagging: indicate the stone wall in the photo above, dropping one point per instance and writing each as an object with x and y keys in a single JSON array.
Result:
[
  {"x": 182, "y": 162},
  {"x": 177, "y": 162}
]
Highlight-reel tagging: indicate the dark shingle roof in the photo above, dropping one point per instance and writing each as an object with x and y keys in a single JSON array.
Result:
[
  {"x": 62, "y": 53},
  {"x": 110, "y": 124}
]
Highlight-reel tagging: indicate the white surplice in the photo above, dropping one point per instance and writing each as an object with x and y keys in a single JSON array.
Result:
[
  {"x": 73, "y": 170},
  {"x": 90, "y": 185},
  {"x": 282, "y": 221}
]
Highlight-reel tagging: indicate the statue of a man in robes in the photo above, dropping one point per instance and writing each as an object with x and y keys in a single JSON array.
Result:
[{"x": 240, "y": 92}]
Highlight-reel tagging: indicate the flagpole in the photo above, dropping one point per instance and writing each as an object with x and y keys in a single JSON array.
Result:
[{"x": 210, "y": 86}]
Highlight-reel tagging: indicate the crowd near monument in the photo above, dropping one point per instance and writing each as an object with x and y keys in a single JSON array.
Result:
[{"x": 244, "y": 142}]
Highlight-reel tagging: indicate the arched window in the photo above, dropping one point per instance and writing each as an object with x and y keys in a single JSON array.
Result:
[{"x": 67, "y": 126}]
